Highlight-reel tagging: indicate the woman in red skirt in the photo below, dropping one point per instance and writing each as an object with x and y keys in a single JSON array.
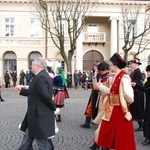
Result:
[{"x": 116, "y": 131}]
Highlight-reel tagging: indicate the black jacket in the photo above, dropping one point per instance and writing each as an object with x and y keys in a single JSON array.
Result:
[{"x": 40, "y": 113}]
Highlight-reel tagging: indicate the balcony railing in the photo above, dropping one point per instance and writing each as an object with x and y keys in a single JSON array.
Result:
[{"x": 99, "y": 37}]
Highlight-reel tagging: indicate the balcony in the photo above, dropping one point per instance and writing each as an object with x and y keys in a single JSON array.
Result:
[{"x": 99, "y": 37}]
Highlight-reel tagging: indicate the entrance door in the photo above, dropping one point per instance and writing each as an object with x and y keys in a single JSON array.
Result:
[{"x": 90, "y": 57}]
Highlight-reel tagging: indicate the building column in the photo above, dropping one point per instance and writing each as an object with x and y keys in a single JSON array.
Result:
[
  {"x": 79, "y": 52},
  {"x": 113, "y": 36}
]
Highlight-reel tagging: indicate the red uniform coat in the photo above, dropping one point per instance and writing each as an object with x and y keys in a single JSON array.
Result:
[{"x": 117, "y": 133}]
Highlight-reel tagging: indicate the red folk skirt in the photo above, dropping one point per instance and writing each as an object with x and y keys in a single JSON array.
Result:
[{"x": 117, "y": 133}]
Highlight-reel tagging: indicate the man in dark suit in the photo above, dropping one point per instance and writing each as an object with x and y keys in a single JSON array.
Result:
[
  {"x": 137, "y": 107},
  {"x": 38, "y": 123}
]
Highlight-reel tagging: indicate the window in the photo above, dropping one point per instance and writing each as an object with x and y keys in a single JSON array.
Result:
[
  {"x": 63, "y": 27},
  {"x": 92, "y": 28},
  {"x": 63, "y": 65},
  {"x": 9, "y": 26},
  {"x": 35, "y": 27},
  {"x": 131, "y": 27}
]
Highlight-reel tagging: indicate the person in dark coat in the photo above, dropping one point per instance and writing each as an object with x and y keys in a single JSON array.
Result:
[
  {"x": 14, "y": 77},
  {"x": 7, "y": 78},
  {"x": 22, "y": 77},
  {"x": 91, "y": 109},
  {"x": 80, "y": 75},
  {"x": 76, "y": 79},
  {"x": 39, "y": 122},
  {"x": 146, "y": 89},
  {"x": 137, "y": 107},
  {"x": 28, "y": 77},
  {"x": 69, "y": 80}
]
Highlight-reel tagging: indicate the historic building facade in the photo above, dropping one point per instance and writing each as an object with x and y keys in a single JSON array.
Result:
[{"x": 22, "y": 39}]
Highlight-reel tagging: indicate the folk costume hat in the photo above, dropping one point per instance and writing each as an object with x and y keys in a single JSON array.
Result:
[
  {"x": 136, "y": 61},
  {"x": 118, "y": 61},
  {"x": 49, "y": 63},
  {"x": 59, "y": 69},
  {"x": 62, "y": 75}
]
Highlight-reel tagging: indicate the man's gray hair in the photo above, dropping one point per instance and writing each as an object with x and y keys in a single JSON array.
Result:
[{"x": 41, "y": 61}]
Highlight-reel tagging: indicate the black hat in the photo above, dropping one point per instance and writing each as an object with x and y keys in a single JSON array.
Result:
[
  {"x": 118, "y": 61},
  {"x": 103, "y": 66},
  {"x": 148, "y": 68},
  {"x": 136, "y": 61}
]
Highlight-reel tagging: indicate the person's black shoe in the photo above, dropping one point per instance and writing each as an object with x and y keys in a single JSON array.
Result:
[
  {"x": 104, "y": 148},
  {"x": 146, "y": 141},
  {"x": 58, "y": 119},
  {"x": 94, "y": 146},
  {"x": 139, "y": 129},
  {"x": 85, "y": 125},
  {"x": 2, "y": 100}
]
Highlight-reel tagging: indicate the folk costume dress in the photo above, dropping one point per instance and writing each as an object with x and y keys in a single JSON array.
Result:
[
  {"x": 59, "y": 90},
  {"x": 105, "y": 80},
  {"x": 116, "y": 131},
  {"x": 91, "y": 110}
]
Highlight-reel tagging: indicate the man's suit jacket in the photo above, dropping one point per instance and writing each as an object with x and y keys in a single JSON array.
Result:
[{"x": 39, "y": 118}]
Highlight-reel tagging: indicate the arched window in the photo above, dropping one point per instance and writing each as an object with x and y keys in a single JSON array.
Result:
[
  {"x": 9, "y": 61},
  {"x": 33, "y": 55}
]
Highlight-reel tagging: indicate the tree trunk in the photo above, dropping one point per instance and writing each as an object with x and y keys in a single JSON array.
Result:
[{"x": 125, "y": 55}]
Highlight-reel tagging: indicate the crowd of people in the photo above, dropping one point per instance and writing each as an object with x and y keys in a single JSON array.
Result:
[
  {"x": 11, "y": 77},
  {"x": 117, "y": 99},
  {"x": 119, "y": 95}
]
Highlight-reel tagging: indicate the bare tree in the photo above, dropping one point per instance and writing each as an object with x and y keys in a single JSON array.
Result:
[
  {"x": 53, "y": 13},
  {"x": 144, "y": 40},
  {"x": 132, "y": 35}
]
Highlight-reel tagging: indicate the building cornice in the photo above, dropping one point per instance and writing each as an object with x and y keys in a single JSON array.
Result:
[
  {"x": 15, "y": 1},
  {"x": 125, "y": 2},
  {"x": 105, "y": 2}
]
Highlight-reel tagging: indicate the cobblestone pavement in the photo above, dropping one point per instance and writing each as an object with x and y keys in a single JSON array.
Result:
[{"x": 70, "y": 136}]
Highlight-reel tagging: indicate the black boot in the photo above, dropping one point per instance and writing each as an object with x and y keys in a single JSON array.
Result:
[
  {"x": 1, "y": 99},
  {"x": 94, "y": 146},
  {"x": 140, "y": 128},
  {"x": 59, "y": 118},
  {"x": 87, "y": 122},
  {"x": 104, "y": 148}
]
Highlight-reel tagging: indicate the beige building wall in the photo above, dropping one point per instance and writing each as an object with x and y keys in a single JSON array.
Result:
[{"x": 22, "y": 45}]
